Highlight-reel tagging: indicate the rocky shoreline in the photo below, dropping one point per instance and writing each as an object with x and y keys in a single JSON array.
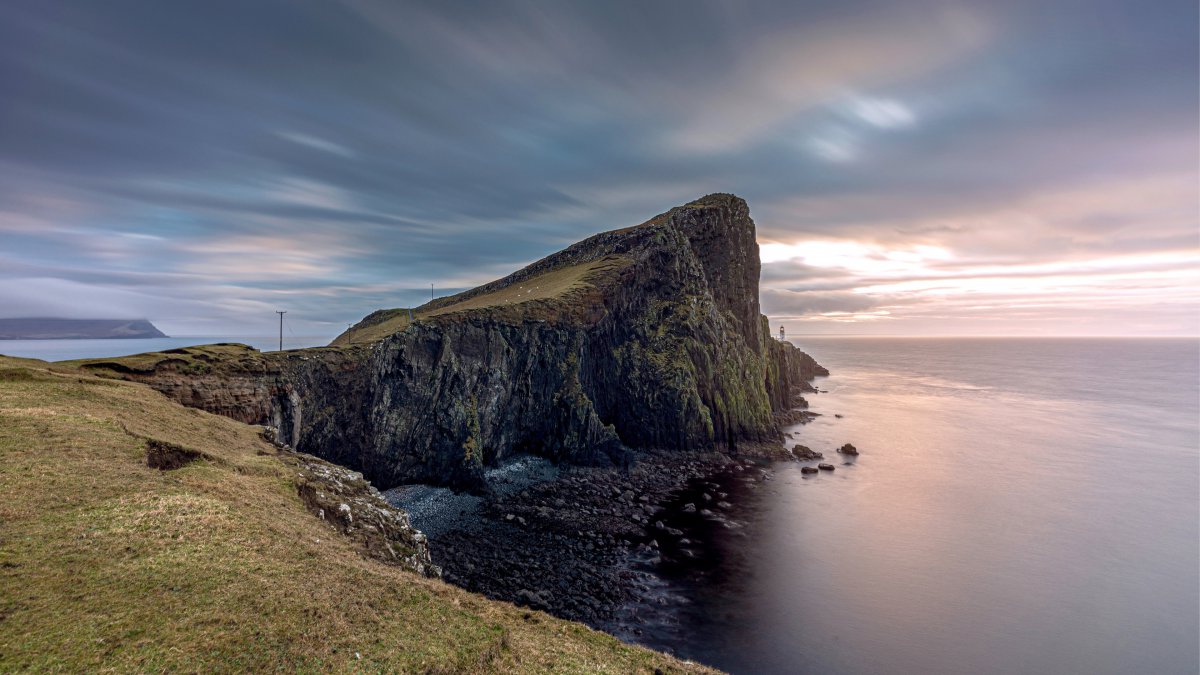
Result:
[
  {"x": 584, "y": 543},
  {"x": 557, "y": 450}
]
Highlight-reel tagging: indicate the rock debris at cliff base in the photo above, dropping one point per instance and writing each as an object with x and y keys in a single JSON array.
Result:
[{"x": 583, "y": 544}]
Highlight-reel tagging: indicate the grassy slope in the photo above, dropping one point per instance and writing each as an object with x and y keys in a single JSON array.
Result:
[
  {"x": 557, "y": 284},
  {"x": 106, "y": 564},
  {"x": 198, "y": 359}
]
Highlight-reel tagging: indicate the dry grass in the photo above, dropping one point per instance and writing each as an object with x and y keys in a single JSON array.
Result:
[
  {"x": 556, "y": 283},
  {"x": 560, "y": 284},
  {"x": 393, "y": 321},
  {"x": 109, "y": 565},
  {"x": 196, "y": 360}
]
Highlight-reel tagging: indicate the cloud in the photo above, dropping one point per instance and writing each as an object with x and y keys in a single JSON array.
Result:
[
  {"x": 881, "y": 112},
  {"x": 337, "y": 157},
  {"x": 835, "y": 145},
  {"x": 795, "y": 69},
  {"x": 304, "y": 192},
  {"x": 792, "y": 304},
  {"x": 316, "y": 143}
]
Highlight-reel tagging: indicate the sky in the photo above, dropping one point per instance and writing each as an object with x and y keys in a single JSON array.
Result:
[{"x": 916, "y": 168}]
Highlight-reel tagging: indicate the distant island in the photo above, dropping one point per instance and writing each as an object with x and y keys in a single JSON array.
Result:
[{"x": 77, "y": 329}]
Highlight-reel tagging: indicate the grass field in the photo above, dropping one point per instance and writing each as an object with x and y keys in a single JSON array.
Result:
[
  {"x": 556, "y": 284},
  {"x": 196, "y": 360},
  {"x": 109, "y": 565}
]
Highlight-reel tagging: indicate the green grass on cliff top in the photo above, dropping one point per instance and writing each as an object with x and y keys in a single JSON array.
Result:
[
  {"x": 516, "y": 299},
  {"x": 196, "y": 360},
  {"x": 108, "y": 565}
]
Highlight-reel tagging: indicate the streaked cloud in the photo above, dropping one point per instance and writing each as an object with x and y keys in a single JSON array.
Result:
[
  {"x": 881, "y": 112},
  {"x": 835, "y": 145},
  {"x": 927, "y": 167},
  {"x": 316, "y": 143}
]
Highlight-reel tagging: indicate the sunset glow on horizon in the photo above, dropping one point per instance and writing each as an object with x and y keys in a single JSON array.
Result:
[{"x": 878, "y": 284}]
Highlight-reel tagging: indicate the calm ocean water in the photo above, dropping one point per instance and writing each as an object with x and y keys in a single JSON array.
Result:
[
  {"x": 63, "y": 350},
  {"x": 1020, "y": 506}
]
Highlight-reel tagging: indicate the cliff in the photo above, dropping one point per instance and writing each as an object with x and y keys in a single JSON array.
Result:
[
  {"x": 644, "y": 337},
  {"x": 137, "y": 535},
  {"x": 76, "y": 329}
]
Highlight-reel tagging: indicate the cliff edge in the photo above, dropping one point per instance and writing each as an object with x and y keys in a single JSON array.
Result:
[
  {"x": 644, "y": 337},
  {"x": 137, "y": 535}
]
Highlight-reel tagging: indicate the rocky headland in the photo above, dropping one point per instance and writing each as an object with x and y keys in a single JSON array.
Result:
[
  {"x": 647, "y": 337},
  {"x": 542, "y": 428},
  {"x": 77, "y": 329}
]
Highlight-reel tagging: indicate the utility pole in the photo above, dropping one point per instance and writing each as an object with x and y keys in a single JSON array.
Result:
[
  {"x": 431, "y": 292},
  {"x": 349, "y": 335},
  {"x": 280, "y": 328}
]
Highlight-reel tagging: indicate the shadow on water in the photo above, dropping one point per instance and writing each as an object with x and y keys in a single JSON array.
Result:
[{"x": 703, "y": 554}]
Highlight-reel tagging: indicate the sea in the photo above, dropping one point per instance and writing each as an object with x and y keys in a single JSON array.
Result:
[{"x": 1020, "y": 505}]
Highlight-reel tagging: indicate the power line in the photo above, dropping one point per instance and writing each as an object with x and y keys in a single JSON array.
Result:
[{"x": 281, "y": 327}]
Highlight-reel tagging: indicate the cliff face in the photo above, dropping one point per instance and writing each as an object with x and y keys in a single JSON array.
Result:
[{"x": 644, "y": 337}]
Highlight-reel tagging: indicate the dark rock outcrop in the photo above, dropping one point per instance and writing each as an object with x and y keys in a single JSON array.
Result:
[
  {"x": 645, "y": 337},
  {"x": 168, "y": 456},
  {"x": 805, "y": 453},
  {"x": 354, "y": 508}
]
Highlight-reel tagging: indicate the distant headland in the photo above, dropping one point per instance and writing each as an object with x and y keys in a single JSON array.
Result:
[{"x": 77, "y": 329}]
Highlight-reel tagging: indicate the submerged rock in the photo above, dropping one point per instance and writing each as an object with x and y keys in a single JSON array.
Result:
[
  {"x": 825, "y": 467},
  {"x": 848, "y": 449},
  {"x": 804, "y": 453}
]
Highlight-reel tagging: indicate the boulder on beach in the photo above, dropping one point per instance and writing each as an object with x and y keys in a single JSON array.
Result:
[{"x": 804, "y": 453}]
